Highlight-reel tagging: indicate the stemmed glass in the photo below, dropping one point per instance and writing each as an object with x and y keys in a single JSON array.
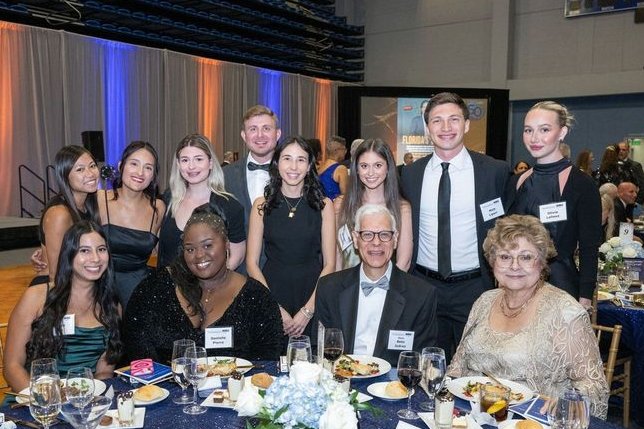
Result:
[
  {"x": 299, "y": 349},
  {"x": 409, "y": 374},
  {"x": 625, "y": 279},
  {"x": 88, "y": 415},
  {"x": 433, "y": 366},
  {"x": 79, "y": 386},
  {"x": 44, "y": 391},
  {"x": 179, "y": 348},
  {"x": 333, "y": 345},
  {"x": 571, "y": 410},
  {"x": 195, "y": 370}
]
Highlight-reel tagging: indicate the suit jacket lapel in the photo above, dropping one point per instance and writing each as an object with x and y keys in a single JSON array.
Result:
[
  {"x": 348, "y": 302},
  {"x": 392, "y": 311},
  {"x": 244, "y": 184}
]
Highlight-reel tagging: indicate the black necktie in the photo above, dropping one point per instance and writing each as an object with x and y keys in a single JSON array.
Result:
[
  {"x": 444, "y": 235},
  {"x": 252, "y": 166}
]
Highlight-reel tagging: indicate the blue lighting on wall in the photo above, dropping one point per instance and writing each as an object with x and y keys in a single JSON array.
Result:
[{"x": 270, "y": 90}]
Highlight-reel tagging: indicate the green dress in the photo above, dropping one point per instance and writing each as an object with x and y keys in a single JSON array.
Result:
[{"x": 83, "y": 348}]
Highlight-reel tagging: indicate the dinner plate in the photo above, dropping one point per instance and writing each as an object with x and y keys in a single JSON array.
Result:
[
  {"x": 428, "y": 419},
  {"x": 238, "y": 361},
  {"x": 457, "y": 387},
  {"x": 379, "y": 390},
  {"x": 604, "y": 296},
  {"x": 512, "y": 424},
  {"x": 139, "y": 419},
  {"x": 165, "y": 394},
  {"x": 99, "y": 388},
  {"x": 383, "y": 366}
]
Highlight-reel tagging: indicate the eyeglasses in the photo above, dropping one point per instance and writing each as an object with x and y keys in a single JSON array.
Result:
[
  {"x": 524, "y": 260},
  {"x": 383, "y": 236}
]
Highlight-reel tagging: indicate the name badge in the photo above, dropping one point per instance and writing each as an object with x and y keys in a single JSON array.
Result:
[
  {"x": 492, "y": 209},
  {"x": 219, "y": 338},
  {"x": 401, "y": 340},
  {"x": 626, "y": 230},
  {"x": 69, "y": 324},
  {"x": 344, "y": 237},
  {"x": 554, "y": 212}
]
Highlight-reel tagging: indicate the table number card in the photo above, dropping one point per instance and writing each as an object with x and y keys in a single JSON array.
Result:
[{"x": 626, "y": 231}]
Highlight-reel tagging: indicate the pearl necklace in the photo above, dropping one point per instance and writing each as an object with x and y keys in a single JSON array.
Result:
[{"x": 512, "y": 313}]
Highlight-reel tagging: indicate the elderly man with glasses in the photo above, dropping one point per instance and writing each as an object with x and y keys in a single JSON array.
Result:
[{"x": 380, "y": 309}]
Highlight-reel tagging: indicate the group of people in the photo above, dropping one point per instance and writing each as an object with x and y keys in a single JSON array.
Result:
[{"x": 256, "y": 252}]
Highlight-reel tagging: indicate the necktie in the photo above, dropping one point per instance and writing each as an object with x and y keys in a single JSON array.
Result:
[
  {"x": 253, "y": 166},
  {"x": 444, "y": 235},
  {"x": 367, "y": 287}
]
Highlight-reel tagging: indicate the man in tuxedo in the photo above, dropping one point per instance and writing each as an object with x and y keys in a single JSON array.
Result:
[
  {"x": 380, "y": 309},
  {"x": 455, "y": 195},
  {"x": 634, "y": 167},
  {"x": 624, "y": 204}
]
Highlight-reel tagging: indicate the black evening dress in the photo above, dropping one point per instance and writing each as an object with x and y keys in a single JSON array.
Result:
[{"x": 154, "y": 319}]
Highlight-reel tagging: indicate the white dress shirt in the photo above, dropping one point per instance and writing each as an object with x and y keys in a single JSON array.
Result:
[
  {"x": 463, "y": 208},
  {"x": 369, "y": 313},
  {"x": 256, "y": 180}
]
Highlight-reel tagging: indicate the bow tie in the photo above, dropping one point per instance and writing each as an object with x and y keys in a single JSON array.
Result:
[
  {"x": 252, "y": 166},
  {"x": 367, "y": 287}
]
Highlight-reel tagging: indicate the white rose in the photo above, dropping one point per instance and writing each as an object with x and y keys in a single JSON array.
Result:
[
  {"x": 305, "y": 372},
  {"x": 339, "y": 415},
  {"x": 629, "y": 252},
  {"x": 248, "y": 402},
  {"x": 614, "y": 242},
  {"x": 605, "y": 248}
]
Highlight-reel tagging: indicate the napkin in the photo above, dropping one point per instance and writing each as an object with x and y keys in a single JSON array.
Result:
[
  {"x": 8, "y": 425},
  {"x": 405, "y": 425}
]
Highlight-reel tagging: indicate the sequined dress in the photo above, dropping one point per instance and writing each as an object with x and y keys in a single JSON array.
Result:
[
  {"x": 154, "y": 319},
  {"x": 557, "y": 350}
]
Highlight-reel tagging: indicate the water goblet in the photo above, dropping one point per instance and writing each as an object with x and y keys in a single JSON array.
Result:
[
  {"x": 87, "y": 415},
  {"x": 299, "y": 349},
  {"x": 570, "y": 410},
  {"x": 433, "y": 367},
  {"x": 79, "y": 386},
  {"x": 179, "y": 348},
  {"x": 195, "y": 370},
  {"x": 44, "y": 391}
]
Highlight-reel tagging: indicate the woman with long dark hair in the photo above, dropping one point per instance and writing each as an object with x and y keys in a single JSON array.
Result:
[
  {"x": 373, "y": 181},
  {"x": 131, "y": 215},
  {"x": 295, "y": 224},
  {"x": 77, "y": 320}
]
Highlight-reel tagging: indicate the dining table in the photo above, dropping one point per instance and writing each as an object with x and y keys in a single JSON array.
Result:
[
  {"x": 631, "y": 343},
  {"x": 166, "y": 414}
]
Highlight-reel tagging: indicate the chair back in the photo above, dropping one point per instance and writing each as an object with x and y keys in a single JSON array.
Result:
[
  {"x": 609, "y": 363},
  {"x": 3, "y": 334}
]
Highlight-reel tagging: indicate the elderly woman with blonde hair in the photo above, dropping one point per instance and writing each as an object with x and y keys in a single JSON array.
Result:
[{"x": 527, "y": 330}]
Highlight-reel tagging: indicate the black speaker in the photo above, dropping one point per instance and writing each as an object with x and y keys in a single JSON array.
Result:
[
  {"x": 639, "y": 15},
  {"x": 93, "y": 142}
]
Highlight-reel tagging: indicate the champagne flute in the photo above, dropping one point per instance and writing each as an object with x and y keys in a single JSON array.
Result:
[
  {"x": 79, "y": 386},
  {"x": 179, "y": 348},
  {"x": 195, "y": 370},
  {"x": 433, "y": 367},
  {"x": 299, "y": 349},
  {"x": 333, "y": 345},
  {"x": 571, "y": 410},
  {"x": 44, "y": 391},
  {"x": 409, "y": 374}
]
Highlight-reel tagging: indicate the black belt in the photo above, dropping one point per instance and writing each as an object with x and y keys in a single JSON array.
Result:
[{"x": 452, "y": 278}]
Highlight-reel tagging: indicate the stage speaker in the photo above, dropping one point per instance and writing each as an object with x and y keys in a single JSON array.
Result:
[
  {"x": 639, "y": 15},
  {"x": 93, "y": 142}
]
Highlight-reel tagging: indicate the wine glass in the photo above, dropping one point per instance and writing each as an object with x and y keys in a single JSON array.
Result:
[
  {"x": 179, "y": 348},
  {"x": 333, "y": 345},
  {"x": 44, "y": 391},
  {"x": 433, "y": 367},
  {"x": 79, "y": 386},
  {"x": 88, "y": 415},
  {"x": 625, "y": 278},
  {"x": 195, "y": 370},
  {"x": 299, "y": 349},
  {"x": 570, "y": 410},
  {"x": 409, "y": 374}
]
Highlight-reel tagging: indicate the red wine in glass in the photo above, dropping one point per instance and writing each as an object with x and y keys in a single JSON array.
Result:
[
  {"x": 409, "y": 377},
  {"x": 332, "y": 353}
]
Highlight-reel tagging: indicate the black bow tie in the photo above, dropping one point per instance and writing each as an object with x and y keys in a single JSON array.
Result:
[{"x": 253, "y": 166}]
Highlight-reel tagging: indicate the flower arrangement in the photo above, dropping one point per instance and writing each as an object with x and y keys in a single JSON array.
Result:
[
  {"x": 613, "y": 252},
  {"x": 308, "y": 398}
]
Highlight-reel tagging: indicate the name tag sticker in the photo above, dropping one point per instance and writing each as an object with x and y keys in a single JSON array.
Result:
[
  {"x": 401, "y": 340},
  {"x": 344, "y": 237},
  {"x": 69, "y": 324},
  {"x": 219, "y": 338},
  {"x": 492, "y": 209},
  {"x": 554, "y": 212},
  {"x": 626, "y": 230}
]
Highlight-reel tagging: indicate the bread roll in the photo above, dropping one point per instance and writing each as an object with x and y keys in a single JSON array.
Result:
[
  {"x": 528, "y": 424},
  {"x": 395, "y": 389},
  {"x": 148, "y": 393},
  {"x": 262, "y": 380}
]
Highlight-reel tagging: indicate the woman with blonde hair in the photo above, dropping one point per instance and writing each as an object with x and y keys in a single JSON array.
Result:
[
  {"x": 196, "y": 179},
  {"x": 608, "y": 216}
]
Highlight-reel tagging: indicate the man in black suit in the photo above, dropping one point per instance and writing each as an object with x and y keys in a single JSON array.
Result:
[
  {"x": 624, "y": 204},
  {"x": 632, "y": 167},
  {"x": 380, "y": 309},
  {"x": 455, "y": 195}
]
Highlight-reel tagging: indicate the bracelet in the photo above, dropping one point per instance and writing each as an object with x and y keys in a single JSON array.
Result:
[{"x": 307, "y": 313}]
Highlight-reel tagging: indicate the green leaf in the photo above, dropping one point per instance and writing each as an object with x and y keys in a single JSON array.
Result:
[{"x": 279, "y": 412}]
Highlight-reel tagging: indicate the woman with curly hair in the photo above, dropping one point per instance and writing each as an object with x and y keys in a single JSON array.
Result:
[
  {"x": 77, "y": 320},
  {"x": 296, "y": 225}
]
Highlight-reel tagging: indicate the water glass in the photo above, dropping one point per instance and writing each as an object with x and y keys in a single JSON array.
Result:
[
  {"x": 44, "y": 391},
  {"x": 89, "y": 414},
  {"x": 570, "y": 410},
  {"x": 433, "y": 367},
  {"x": 409, "y": 374},
  {"x": 179, "y": 348},
  {"x": 299, "y": 349},
  {"x": 195, "y": 370},
  {"x": 79, "y": 386}
]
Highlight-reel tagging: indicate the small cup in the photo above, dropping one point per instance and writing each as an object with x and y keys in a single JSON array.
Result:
[
  {"x": 495, "y": 400},
  {"x": 344, "y": 382},
  {"x": 125, "y": 405},
  {"x": 235, "y": 385}
]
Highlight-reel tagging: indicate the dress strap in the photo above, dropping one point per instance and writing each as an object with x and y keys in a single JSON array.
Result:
[
  {"x": 107, "y": 207},
  {"x": 154, "y": 213}
]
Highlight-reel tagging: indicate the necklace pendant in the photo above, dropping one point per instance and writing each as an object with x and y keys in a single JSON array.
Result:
[{"x": 291, "y": 212}]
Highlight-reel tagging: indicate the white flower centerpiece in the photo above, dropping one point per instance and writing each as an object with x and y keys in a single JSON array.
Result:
[
  {"x": 613, "y": 252},
  {"x": 307, "y": 398}
]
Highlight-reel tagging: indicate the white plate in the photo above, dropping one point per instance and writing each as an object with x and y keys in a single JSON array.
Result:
[
  {"x": 139, "y": 418},
  {"x": 604, "y": 296},
  {"x": 511, "y": 424},
  {"x": 99, "y": 388},
  {"x": 166, "y": 393},
  {"x": 383, "y": 365},
  {"x": 428, "y": 419},
  {"x": 227, "y": 403},
  {"x": 457, "y": 386},
  {"x": 238, "y": 361},
  {"x": 378, "y": 390}
]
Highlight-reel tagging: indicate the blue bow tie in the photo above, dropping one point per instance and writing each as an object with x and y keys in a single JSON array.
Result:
[
  {"x": 253, "y": 166},
  {"x": 367, "y": 287}
]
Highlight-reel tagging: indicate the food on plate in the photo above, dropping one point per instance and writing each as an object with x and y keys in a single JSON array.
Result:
[
  {"x": 148, "y": 393},
  {"x": 528, "y": 424},
  {"x": 223, "y": 367},
  {"x": 604, "y": 296},
  {"x": 471, "y": 390},
  {"x": 348, "y": 367},
  {"x": 262, "y": 380},
  {"x": 106, "y": 421},
  {"x": 459, "y": 422},
  {"x": 218, "y": 396},
  {"x": 395, "y": 389}
]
